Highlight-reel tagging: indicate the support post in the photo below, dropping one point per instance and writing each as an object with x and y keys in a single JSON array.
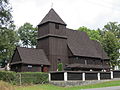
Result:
[
  {"x": 65, "y": 76},
  {"x": 111, "y": 74},
  {"x": 98, "y": 76},
  {"x": 49, "y": 75},
  {"x": 83, "y": 76},
  {"x": 20, "y": 79}
]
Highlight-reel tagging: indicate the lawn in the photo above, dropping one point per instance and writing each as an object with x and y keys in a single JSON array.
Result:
[{"x": 52, "y": 87}]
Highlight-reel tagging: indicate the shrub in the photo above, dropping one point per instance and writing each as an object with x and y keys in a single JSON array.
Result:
[
  {"x": 24, "y": 77},
  {"x": 60, "y": 67},
  {"x": 34, "y": 77},
  {"x": 8, "y": 76}
]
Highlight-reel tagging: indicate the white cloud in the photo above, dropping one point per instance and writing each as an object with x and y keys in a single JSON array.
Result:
[{"x": 90, "y": 13}]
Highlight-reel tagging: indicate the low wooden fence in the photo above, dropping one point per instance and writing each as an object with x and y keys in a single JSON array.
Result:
[{"x": 79, "y": 75}]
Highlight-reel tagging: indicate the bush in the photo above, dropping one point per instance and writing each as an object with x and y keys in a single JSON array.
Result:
[
  {"x": 60, "y": 67},
  {"x": 34, "y": 77},
  {"x": 24, "y": 77},
  {"x": 8, "y": 76}
]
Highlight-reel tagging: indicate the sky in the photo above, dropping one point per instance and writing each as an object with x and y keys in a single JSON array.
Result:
[{"x": 93, "y": 14}]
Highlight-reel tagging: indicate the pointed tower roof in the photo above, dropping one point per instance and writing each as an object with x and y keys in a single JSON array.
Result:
[{"x": 52, "y": 16}]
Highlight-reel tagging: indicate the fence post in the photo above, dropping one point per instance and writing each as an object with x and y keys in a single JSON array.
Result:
[
  {"x": 111, "y": 74},
  {"x": 20, "y": 79},
  {"x": 83, "y": 76},
  {"x": 98, "y": 76},
  {"x": 49, "y": 75},
  {"x": 65, "y": 76}
]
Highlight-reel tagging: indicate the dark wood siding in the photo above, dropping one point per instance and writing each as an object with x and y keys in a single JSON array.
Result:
[
  {"x": 81, "y": 60},
  {"x": 74, "y": 75},
  {"x": 91, "y": 76},
  {"x": 34, "y": 68},
  {"x": 116, "y": 74},
  {"x": 55, "y": 31},
  {"x": 43, "y": 30},
  {"x": 58, "y": 50},
  {"x": 16, "y": 67},
  {"x": 16, "y": 56},
  {"x": 57, "y": 76},
  {"x": 44, "y": 44},
  {"x": 105, "y": 75}
]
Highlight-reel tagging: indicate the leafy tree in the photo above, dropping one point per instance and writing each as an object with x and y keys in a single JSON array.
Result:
[
  {"x": 8, "y": 37},
  {"x": 8, "y": 42},
  {"x": 111, "y": 46},
  {"x": 28, "y": 34},
  {"x": 93, "y": 34},
  {"x": 113, "y": 27},
  {"x": 5, "y": 14}
]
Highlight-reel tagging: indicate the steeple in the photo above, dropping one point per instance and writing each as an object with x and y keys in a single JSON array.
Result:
[{"x": 52, "y": 16}]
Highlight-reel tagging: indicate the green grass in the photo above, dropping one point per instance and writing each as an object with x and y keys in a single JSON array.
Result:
[
  {"x": 52, "y": 87},
  {"x": 6, "y": 86}
]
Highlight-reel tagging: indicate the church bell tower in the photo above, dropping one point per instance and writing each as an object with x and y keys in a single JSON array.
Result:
[{"x": 52, "y": 39}]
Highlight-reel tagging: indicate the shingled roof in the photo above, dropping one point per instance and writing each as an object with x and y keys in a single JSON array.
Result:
[
  {"x": 52, "y": 16},
  {"x": 81, "y": 45},
  {"x": 32, "y": 56},
  {"x": 100, "y": 50}
]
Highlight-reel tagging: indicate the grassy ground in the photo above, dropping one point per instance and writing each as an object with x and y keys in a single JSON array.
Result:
[
  {"x": 6, "y": 86},
  {"x": 52, "y": 87}
]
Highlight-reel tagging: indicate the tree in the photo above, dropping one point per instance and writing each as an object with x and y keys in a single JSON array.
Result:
[
  {"x": 28, "y": 35},
  {"x": 113, "y": 27},
  {"x": 111, "y": 46},
  {"x": 8, "y": 37},
  {"x": 5, "y": 14},
  {"x": 8, "y": 42},
  {"x": 93, "y": 34}
]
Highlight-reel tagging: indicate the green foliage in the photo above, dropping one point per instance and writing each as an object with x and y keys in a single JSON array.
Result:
[
  {"x": 113, "y": 27},
  {"x": 8, "y": 41},
  {"x": 60, "y": 67},
  {"x": 24, "y": 77},
  {"x": 28, "y": 35},
  {"x": 5, "y": 14},
  {"x": 34, "y": 77},
  {"x": 111, "y": 46},
  {"x": 93, "y": 34},
  {"x": 8, "y": 76}
]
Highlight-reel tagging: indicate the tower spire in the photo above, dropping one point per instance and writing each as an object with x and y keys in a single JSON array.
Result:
[{"x": 52, "y": 16}]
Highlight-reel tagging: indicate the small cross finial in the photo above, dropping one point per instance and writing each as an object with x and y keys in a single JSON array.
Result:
[{"x": 52, "y": 5}]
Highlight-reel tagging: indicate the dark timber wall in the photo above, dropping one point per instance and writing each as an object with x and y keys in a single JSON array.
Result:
[
  {"x": 57, "y": 76},
  {"x": 16, "y": 56},
  {"x": 54, "y": 42},
  {"x": 74, "y": 75},
  {"x": 116, "y": 74},
  {"x": 105, "y": 75},
  {"x": 91, "y": 76}
]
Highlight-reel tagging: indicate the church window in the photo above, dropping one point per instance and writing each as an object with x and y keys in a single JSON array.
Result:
[{"x": 57, "y": 26}]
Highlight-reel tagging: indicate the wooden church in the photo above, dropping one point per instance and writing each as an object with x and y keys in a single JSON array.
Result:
[{"x": 58, "y": 44}]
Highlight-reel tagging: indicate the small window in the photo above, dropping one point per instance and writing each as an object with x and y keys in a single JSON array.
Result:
[
  {"x": 57, "y": 26},
  {"x": 29, "y": 66},
  {"x": 85, "y": 62}
]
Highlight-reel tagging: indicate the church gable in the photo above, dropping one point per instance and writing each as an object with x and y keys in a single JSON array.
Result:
[{"x": 16, "y": 56}]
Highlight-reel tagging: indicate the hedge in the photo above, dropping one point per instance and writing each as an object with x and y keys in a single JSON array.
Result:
[{"x": 23, "y": 78}]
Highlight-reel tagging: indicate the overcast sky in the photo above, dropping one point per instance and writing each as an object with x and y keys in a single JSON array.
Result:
[{"x": 75, "y": 13}]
